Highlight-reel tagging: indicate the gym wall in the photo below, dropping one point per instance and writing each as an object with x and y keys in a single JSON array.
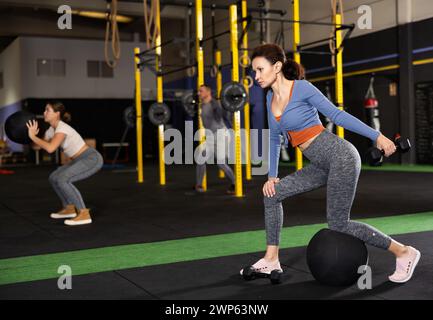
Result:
[
  {"x": 90, "y": 96},
  {"x": 381, "y": 51},
  {"x": 383, "y": 48},
  {"x": 10, "y": 67},
  {"x": 72, "y": 80}
]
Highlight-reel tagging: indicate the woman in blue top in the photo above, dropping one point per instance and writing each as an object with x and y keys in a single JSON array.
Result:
[{"x": 292, "y": 106}]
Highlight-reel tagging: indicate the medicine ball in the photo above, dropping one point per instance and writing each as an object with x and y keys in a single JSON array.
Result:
[
  {"x": 15, "y": 126},
  {"x": 334, "y": 257}
]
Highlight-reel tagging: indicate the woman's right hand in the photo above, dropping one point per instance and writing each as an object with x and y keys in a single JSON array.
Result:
[
  {"x": 385, "y": 144},
  {"x": 269, "y": 187}
]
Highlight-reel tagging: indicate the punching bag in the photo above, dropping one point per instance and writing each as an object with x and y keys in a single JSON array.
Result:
[{"x": 371, "y": 107}]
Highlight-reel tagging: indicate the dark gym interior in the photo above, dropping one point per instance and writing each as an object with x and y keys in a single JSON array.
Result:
[{"x": 94, "y": 208}]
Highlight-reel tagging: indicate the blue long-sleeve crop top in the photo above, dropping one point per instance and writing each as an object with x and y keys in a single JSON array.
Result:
[{"x": 302, "y": 113}]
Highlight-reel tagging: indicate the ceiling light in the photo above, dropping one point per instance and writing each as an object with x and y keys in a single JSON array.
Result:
[{"x": 101, "y": 15}]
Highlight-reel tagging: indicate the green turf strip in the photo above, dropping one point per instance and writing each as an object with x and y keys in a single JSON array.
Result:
[
  {"x": 384, "y": 167},
  {"x": 45, "y": 266},
  {"x": 401, "y": 168}
]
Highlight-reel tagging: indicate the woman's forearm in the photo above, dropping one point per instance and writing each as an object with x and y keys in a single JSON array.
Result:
[{"x": 43, "y": 144}]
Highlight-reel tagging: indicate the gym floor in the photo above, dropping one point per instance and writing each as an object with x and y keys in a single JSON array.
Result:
[{"x": 154, "y": 242}]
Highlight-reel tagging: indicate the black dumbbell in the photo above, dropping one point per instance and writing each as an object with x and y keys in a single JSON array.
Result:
[
  {"x": 249, "y": 273},
  {"x": 375, "y": 156}
]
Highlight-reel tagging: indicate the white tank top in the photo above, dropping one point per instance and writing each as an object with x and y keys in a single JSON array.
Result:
[{"x": 72, "y": 142}]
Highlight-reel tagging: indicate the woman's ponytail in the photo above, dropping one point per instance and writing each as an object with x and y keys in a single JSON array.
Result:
[
  {"x": 292, "y": 70},
  {"x": 67, "y": 117}
]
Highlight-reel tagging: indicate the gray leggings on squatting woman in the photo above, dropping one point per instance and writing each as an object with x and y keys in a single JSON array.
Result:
[{"x": 62, "y": 179}]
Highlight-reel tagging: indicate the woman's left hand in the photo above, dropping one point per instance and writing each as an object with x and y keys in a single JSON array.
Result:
[{"x": 33, "y": 129}]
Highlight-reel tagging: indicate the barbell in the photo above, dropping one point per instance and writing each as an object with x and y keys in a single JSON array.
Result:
[
  {"x": 159, "y": 113},
  {"x": 233, "y": 98},
  {"x": 190, "y": 103}
]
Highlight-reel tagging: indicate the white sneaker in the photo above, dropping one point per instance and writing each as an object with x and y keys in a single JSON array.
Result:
[
  {"x": 77, "y": 222},
  {"x": 63, "y": 215},
  {"x": 405, "y": 266}
]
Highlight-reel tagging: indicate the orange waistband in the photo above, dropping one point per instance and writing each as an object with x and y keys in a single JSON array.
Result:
[{"x": 299, "y": 137}]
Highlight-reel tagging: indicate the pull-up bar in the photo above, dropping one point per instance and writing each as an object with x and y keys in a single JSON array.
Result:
[
  {"x": 174, "y": 40},
  {"x": 346, "y": 36},
  {"x": 248, "y": 19},
  {"x": 343, "y": 26},
  {"x": 146, "y": 52},
  {"x": 210, "y": 6}
]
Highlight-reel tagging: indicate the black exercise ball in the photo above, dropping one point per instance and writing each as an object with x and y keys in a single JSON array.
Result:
[
  {"x": 334, "y": 257},
  {"x": 15, "y": 126}
]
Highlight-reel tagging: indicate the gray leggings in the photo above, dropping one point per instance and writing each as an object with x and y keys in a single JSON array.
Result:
[
  {"x": 221, "y": 161},
  {"x": 201, "y": 169},
  {"x": 85, "y": 165},
  {"x": 336, "y": 163}
]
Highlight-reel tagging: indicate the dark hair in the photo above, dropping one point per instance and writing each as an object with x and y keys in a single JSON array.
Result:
[
  {"x": 206, "y": 86},
  {"x": 274, "y": 53},
  {"x": 57, "y": 106}
]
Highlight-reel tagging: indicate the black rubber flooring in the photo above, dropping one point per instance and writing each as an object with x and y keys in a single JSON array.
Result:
[
  {"x": 219, "y": 279},
  {"x": 125, "y": 212}
]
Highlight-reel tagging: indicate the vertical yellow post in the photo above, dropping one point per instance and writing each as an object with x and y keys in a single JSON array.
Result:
[
  {"x": 200, "y": 71},
  {"x": 339, "y": 70},
  {"x": 159, "y": 94},
  {"x": 237, "y": 115},
  {"x": 219, "y": 76},
  {"x": 297, "y": 58},
  {"x": 247, "y": 105},
  {"x": 219, "y": 83},
  {"x": 138, "y": 123}
]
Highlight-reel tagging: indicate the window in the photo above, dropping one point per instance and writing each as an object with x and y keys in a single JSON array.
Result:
[
  {"x": 44, "y": 67},
  {"x": 93, "y": 69},
  {"x": 58, "y": 68},
  {"x": 106, "y": 71},
  {"x": 51, "y": 67},
  {"x": 98, "y": 69}
]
